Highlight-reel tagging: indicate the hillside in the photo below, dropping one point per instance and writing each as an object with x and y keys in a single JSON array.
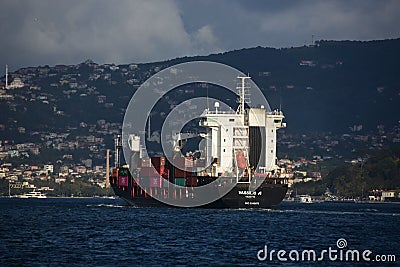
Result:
[
  {"x": 327, "y": 87},
  {"x": 379, "y": 172}
]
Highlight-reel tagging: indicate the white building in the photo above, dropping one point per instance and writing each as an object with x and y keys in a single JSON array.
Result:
[
  {"x": 388, "y": 194},
  {"x": 48, "y": 168},
  {"x": 16, "y": 83}
]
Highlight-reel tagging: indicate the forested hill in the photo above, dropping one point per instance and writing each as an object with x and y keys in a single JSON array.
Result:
[{"x": 329, "y": 86}]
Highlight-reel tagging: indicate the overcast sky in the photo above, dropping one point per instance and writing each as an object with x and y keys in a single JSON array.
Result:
[{"x": 40, "y": 32}]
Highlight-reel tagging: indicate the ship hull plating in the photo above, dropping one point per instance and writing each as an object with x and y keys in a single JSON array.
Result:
[{"x": 267, "y": 196}]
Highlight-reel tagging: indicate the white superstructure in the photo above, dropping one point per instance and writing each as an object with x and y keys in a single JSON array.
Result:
[{"x": 234, "y": 140}]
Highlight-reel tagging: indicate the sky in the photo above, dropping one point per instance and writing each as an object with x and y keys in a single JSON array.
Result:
[{"x": 50, "y": 32}]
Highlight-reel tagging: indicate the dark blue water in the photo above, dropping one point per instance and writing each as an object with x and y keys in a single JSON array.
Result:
[{"x": 105, "y": 232}]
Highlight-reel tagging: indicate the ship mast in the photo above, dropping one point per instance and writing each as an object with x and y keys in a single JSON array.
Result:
[
  {"x": 242, "y": 88},
  {"x": 118, "y": 148},
  {"x": 148, "y": 128}
]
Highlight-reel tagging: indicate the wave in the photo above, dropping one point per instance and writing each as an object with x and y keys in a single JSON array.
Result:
[
  {"x": 107, "y": 205},
  {"x": 372, "y": 212}
]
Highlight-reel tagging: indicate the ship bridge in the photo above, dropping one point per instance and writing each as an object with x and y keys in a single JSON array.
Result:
[{"x": 243, "y": 142}]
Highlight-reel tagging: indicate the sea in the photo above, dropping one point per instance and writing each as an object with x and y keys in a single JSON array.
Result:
[{"x": 107, "y": 232}]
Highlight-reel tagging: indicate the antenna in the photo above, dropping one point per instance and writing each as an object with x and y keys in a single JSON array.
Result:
[
  {"x": 242, "y": 93},
  {"x": 208, "y": 107}
]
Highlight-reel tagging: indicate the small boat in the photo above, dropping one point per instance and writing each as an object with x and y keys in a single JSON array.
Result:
[
  {"x": 33, "y": 194},
  {"x": 303, "y": 199}
]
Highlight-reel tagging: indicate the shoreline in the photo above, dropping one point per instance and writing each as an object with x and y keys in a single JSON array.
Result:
[
  {"x": 284, "y": 200},
  {"x": 346, "y": 201},
  {"x": 17, "y": 197}
]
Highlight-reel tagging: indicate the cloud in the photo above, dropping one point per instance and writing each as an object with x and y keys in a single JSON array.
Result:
[
  {"x": 204, "y": 40},
  {"x": 334, "y": 20},
  {"x": 38, "y": 32},
  {"x": 51, "y": 32},
  {"x": 287, "y": 23}
]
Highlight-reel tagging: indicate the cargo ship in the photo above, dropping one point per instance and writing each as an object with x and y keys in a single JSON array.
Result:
[{"x": 236, "y": 169}]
